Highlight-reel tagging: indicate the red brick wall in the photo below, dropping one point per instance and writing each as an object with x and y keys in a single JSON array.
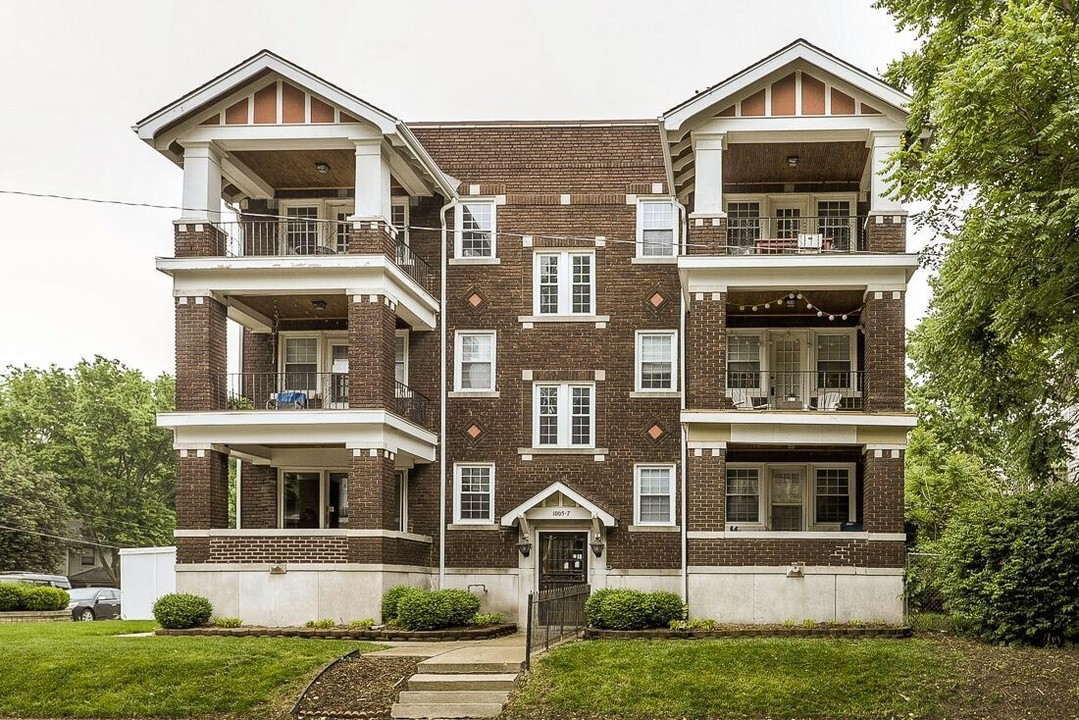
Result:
[
  {"x": 200, "y": 354},
  {"x": 258, "y": 496},
  {"x": 706, "y": 357},
  {"x": 707, "y": 485},
  {"x": 368, "y": 240},
  {"x": 371, "y": 338},
  {"x": 202, "y": 490},
  {"x": 886, "y": 236},
  {"x": 198, "y": 240},
  {"x": 883, "y": 493},
  {"x": 370, "y": 490},
  {"x": 840, "y": 552},
  {"x": 708, "y": 238},
  {"x": 885, "y": 351},
  {"x": 278, "y": 549}
]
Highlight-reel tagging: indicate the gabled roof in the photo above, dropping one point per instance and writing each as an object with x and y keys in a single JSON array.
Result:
[
  {"x": 799, "y": 50},
  {"x": 261, "y": 63},
  {"x": 513, "y": 515}
]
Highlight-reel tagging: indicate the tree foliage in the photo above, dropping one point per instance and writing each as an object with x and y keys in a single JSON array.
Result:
[
  {"x": 33, "y": 503},
  {"x": 997, "y": 84},
  {"x": 1010, "y": 570},
  {"x": 94, "y": 429}
]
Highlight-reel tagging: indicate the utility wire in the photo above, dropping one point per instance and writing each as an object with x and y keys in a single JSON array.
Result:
[{"x": 58, "y": 537}]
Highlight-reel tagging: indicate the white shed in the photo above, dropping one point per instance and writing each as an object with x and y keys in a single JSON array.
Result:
[{"x": 145, "y": 575}]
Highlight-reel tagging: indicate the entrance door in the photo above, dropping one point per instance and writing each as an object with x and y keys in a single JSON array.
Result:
[
  {"x": 788, "y": 379},
  {"x": 563, "y": 559}
]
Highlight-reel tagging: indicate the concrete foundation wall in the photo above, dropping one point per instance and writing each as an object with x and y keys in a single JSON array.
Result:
[{"x": 823, "y": 594}]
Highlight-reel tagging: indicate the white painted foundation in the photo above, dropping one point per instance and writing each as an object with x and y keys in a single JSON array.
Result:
[{"x": 822, "y": 594}]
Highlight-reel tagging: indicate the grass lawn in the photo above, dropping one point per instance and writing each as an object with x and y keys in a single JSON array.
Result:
[
  {"x": 61, "y": 670},
  {"x": 803, "y": 678}
]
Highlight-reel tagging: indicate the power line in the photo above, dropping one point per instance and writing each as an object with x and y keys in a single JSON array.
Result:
[{"x": 58, "y": 537}]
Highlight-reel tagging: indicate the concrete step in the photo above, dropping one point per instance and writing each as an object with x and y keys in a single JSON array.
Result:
[
  {"x": 445, "y": 710},
  {"x": 475, "y": 660},
  {"x": 468, "y": 668},
  {"x": 422, "y": 697},
  {"x": 462, "y": 682}
]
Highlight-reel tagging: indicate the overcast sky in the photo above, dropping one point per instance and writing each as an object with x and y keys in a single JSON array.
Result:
[{"x": 79, "y": 278}]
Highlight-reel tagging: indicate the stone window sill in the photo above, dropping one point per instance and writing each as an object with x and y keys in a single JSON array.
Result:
[
  {"x": 655, "y": 528},
  {"x": 476, "y": 526},
  {"x": 562, "y": 451},
  {"x": 475, "y": 261},
  {"x": 658, "y": 260},
  {"x": 473, "y": 394},
  {"x": 652, "y": 394}
]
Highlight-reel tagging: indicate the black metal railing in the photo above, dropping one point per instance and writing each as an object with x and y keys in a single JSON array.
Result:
[
  {"x": 784, "y": 235},
  {"x": 298, "y": 236},
  {"x": 288, "y": 390},
  {"x": 412, "y": 404},
  {"x": 553, "y": 616},
  {"x": 820, "y": 389}
]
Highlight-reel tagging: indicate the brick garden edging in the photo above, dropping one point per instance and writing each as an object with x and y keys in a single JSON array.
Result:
[
  {"x": 352, "y": 634},
  {"x": 29, "y": 616},
  {"x": 837, "y": 631}
]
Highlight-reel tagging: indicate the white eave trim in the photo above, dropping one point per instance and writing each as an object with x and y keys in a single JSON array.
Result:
[
  {"x": 907, "y": 261},
  {"x": 821, "y": 419},
  {"x": 149, "y": 127},
  {"x": 511, "y": 518},
  {"x": 674, "y": 118}
]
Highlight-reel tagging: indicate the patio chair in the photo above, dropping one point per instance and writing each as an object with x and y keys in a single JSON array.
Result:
[{"x": 829, "y": 400}]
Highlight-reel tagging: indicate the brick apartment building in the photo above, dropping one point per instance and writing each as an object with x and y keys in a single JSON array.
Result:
[{"x": 661, "y": 354}]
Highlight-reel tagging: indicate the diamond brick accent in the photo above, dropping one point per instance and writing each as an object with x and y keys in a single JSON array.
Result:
[
  {"x": 474, "y": 431},
  {"x": 656, "y": 299}
]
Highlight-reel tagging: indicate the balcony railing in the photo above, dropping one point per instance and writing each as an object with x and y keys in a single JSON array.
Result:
[
  {"x": 803, "y": 390},
  {"x": 301, "y": 390},
  {"x": 307, "y": 237},
  {"x": 785, "y": 235}
]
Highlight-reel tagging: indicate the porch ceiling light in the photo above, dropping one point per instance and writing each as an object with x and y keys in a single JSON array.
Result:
[
  {"x": 524, "y": 545},
  {"x": 319, "y": 305},
  {"x": 792, "y": 160},
  {"x": 323, "y": 167}
]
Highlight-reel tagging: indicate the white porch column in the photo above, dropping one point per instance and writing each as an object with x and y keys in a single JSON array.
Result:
[
  {"x": 372, "y": 181},
  {"x": 708, "y": 173},
  {"x": 880, "y": 200},
  {"x": 202, "y": 183}
]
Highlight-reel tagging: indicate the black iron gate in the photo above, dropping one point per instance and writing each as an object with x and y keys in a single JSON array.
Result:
[{"x": 561, "y": 610}]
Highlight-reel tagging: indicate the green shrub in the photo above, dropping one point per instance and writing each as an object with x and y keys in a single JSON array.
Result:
[
  {"x": 487, "y": 619},
  {"x": 614, "y": 609},
  {"x": 1009, "y": 568},
  {"x": 326, "y": 624},
  {"x": 227, "y": 622},
  {"x": 436, "y": 609},
  {"x": 12, "y": 596},
  {"x": 365, "y": 624},
  {"x": 44, "y": 597},
  {"x": 392, "y": 597},
  {"x": 182, "y": 610}
]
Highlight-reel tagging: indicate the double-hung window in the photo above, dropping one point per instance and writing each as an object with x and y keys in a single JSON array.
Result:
[
  {"x": 790, "y": 497},
  {"x": 654, "y": 485},
  {"x": 564, "y": 415},
  {"x": 835, "y": 366},
  {"x": 743, "y": 495},
  {"x": 657, "y": 369},
  {"x": 835, "y": 223},
  {"x": 476, "y": 230},
  {"x": 473, "y": 493},
  {"x": 832, "y": 495},
  {"x": 657, "y": 229},
  {"x": 301, "y": 364},
  {"x": 565, "y": 283},
  {"x": 744, "y": 362},
  {"x": 743, "y": 226},
  {"x": 475, "y": 367}
]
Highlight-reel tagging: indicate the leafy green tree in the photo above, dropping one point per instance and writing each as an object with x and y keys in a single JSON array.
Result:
[
  {"x": 997, "y": 84},
  {"x": 94, "y": 429},
  {"x": 32, "y": 507}
]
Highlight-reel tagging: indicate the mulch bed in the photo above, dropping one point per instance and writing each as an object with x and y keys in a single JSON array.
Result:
[
  {"x": 357, "y": 687},
  {"x": 345, "y": 633},
  {"x": 755, "y": 631}
]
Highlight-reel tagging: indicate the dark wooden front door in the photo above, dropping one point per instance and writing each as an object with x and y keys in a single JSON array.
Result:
[{"x": 563, "y": 559}]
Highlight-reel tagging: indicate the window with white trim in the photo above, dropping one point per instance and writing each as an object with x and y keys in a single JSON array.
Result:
[
  {"x": 310, "y": 226},
  {"x": 744, "y": 362},
  {"x": 399, "y": 217},
  {"x": 473, "y": 493},
  {"x": 790, "y": 497},
  {"x": 657, "y": 367},
  {"x": 301, "y": 364},
  {"x": 564, "y": 283},
  {"x": 475, "y": 366},
  {"x": 564, "y": 415},
  {"x": 657, "y": 228},
  {"x": 654, "y": 490},
  {"x": 834, "y": 360},
  {"x": 400, "y": 500},
  {"x": 311, "y": 499},
  {"x": 400, "y": 357},
  {"x": 475, "y": 223}
]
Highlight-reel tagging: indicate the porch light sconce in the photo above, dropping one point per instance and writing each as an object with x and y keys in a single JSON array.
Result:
[
  {"x": 597, "y": 546},
  {"x": 322, "y": 168},
  {"x": 792, "y": 160},
  {"x": 524, "y": 545},
  {"x": 319, "y": 305}
]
